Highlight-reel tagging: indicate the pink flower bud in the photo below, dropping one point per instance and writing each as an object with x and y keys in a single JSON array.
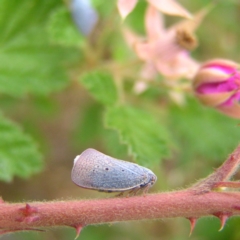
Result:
[{"x": 217, "y": 84}]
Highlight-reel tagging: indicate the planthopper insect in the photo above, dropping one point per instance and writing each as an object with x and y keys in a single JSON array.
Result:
[{"x": 95, "y": 170}]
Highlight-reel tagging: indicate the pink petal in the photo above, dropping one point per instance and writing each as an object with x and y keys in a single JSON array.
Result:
[
  {"x": 222, "y": 62},
  {"x": 209, "y": 75},
  {"x": 232, "y": 111},
  {"x": 217, "y": 87},
  {"x": 154, "y": 23},
  {"x": 148, "y": 71},
  {"x": 188, "y": 65},
  {"x": 213, "y": 100},
  {"x": 144, "y": 51},
  {"x": 140, "y": 87},
  {"x": 170, "y": 7},
  {"x": 162, "y": 49},
  {"x": 131, "y": 37},
  {"x": 223, "y": 65},
  {"x": 125, "y": 7},
  {"x": 182, "y": 65},
  {"x": 233, "y": 99}
]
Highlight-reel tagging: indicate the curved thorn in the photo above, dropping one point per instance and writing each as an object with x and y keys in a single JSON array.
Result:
[
  {"x": 193, "y": 222},
  {"x": 223, "y": 218},
  {"x": 78, "y": 230}
]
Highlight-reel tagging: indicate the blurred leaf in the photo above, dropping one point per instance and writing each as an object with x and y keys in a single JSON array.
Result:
[
  {"x": 136, "y": 18},
  {"x": 62, "y": 30},
  {"x": 28, "y": 64},
  {"x": 101, "y": 85},
  {"x": 145, "y": 138},
  {"x": 203, "y": 132},
  {"x": 45, "y": 105},
  {"x": 105, "y": 10},
  {"x": 88, "y": 126},
  {"x": 119, "y": 49},
  {"x": 18, "y": 152},
  {"x": 207, "y": 229},
  {"x": 113, "y": 145}
]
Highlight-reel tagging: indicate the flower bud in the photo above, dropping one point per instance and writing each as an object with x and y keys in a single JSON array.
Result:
[{"x": 217, "y": 84}]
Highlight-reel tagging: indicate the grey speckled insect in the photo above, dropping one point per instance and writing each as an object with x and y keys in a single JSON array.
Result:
[{"x": 95, "y": 170}]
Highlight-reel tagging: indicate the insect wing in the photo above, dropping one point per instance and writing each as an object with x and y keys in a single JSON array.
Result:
[{"x": 95, "y": 170}]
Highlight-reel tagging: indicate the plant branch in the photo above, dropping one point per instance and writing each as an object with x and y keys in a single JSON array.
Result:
[
  {"x": 192, "y": 203},
  {"x": 84, "y": 212},
  {"x": 221, "y": 176}
]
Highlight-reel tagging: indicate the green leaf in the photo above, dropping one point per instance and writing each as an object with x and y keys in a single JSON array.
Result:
[
  {"x": 136, "y": 18},
  {"x": 18, "y": 152},
  {"x": 28, "y": 63},
  {"x": 113, "y": 146},
  {"x": 105, "y": 10},
  {"x": 62, "y": 30},
  {"x": 203, "y": 133},
  {"x": 88, "y": 127},
  {"x": 145, "y": 138},
  {"x": 101, "y": 85}
]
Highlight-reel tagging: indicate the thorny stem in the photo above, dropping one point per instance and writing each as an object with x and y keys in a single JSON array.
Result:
[
  {"x": 222, "y": 174},
  {"x": 192, "y": 203}
]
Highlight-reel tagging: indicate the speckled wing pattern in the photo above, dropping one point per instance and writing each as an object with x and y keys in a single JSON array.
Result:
[{"x": 95, "y": 170}]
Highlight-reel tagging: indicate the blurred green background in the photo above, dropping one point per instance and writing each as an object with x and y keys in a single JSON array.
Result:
[{"x": 48, "y": 116}]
